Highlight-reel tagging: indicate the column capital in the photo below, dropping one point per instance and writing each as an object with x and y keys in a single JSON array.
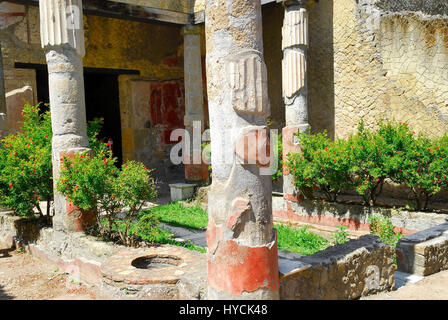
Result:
[
  {"x": 288, "y": 3},
  {"x": 191, "y": 29},
  {"x": 61, "y": 23}
]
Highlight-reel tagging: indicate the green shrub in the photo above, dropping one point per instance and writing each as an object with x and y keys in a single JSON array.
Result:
[
  {"x": 423, "y": 169},
  {"x": 26, "y": 166},
  {"x": 341, "y": 235},
  {"x": 371, "y": 166},
  {"x": 383, "y": 228},
  {"x": 367, "y": 158},
  {"x": 94, "y": 183},
  {"x": 322, "y": 165},
  {"x": 278, "y": 153}
]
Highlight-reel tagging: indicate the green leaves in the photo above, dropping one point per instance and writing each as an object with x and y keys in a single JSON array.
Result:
[
  {"x": 94, "y": 183},
  {"x": 25, "y": 164},
  {"x": 367, "y": 159},
  {"x": 341, "y": 235},
  {"x": 322, "y": 165},
  {"x": 383, "y": 228}
]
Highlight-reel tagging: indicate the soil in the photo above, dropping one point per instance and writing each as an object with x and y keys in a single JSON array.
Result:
[{"x": 24, "y": 277}]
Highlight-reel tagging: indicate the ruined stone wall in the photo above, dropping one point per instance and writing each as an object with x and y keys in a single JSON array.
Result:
[
  {"x": 355, "y": 269},
  {"x": 424, "y": 253},
  {"x": 376, "y": 60},
  {"x": 154, "y": 50}
]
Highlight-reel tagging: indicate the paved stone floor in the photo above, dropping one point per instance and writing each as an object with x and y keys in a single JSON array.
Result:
[{"x": 434, "y": 287}]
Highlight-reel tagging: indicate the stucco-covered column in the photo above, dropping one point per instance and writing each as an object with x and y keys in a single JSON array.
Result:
[
  {"x": 242, "y": 245},
  {"x": 294, "y": 46},
  {"x": 195, "y": 170},
  {"x": 62, "y": 36},
  {"x": 3, "y": 119}
]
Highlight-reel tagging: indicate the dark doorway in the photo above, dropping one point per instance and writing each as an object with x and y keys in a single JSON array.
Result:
[{"x": 102, "y": 99}]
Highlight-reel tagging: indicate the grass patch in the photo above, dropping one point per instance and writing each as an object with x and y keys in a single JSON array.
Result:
[
  {"x": 300, "y": 241},
  {"x": 158, "y": 236},
  {"x": 178, "y": 215}
]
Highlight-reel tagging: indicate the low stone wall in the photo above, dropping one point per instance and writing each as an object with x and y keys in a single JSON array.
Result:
[
  {"x": 356, "y": 217},
  {"x": 71, "y": 252},
  {"x": 355, "y": 269},
  {"x": 424, "y": 253},
  {"x": 83, "y": 256}
]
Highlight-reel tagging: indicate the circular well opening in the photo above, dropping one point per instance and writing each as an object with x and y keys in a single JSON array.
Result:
[{"x": 156, "y": 262}]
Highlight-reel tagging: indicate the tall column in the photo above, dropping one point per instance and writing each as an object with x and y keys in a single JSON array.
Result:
[
  {"x": 242, "y": 245},
  {"x": 3, "y": 119},
  {"x": 294, "y": 46},
  {"x": 62, "y": 36},
  {"x": 195, "y": 170}
]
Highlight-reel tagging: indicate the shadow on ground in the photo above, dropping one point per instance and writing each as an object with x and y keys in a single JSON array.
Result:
[{"x": 4, "y": 295}]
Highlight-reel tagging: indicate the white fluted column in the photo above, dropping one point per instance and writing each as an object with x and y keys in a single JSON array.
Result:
[
  {"x": 294, "y": 66},
  {"x": 62, "y": 36},
  {"x": 3, "y": 118}
]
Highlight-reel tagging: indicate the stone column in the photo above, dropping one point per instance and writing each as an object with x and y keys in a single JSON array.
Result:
[
  {"x": 3, "y": 119},
  {"x": 242, "y": 245},
  {"x": 195, "y": 170},
  {"x": 294, "y": 46},
  {"x": 62, "y": 36}
]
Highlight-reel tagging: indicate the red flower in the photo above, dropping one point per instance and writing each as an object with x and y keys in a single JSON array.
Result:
[
  {"x": 113, "y": 198},
  {"x": 10, "y": 185}
]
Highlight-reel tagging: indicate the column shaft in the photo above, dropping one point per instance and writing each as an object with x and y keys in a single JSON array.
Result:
[
  {"x": 294, "y": 46},
  {"x": 3, "y": 118},
  {"x": 195, "y": 170},
  {"x": 63, "y": 38},
  {"x": 242, "y": 245}
]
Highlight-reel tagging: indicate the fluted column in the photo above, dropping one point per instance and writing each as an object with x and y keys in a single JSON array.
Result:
[
  {"x": 242, "y": 245},
  {"x": 3, "y": 119},
  {"x": 62, "y": 36},
  {"x": 294, "y": 66},
  {"x": 195, "y": 170}
]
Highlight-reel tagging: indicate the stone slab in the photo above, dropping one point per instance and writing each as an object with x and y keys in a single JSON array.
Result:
[{"x": 182, "y": 191}]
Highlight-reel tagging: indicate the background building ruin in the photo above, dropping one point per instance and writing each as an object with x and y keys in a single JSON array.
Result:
[{"x": 142, "y": 67}]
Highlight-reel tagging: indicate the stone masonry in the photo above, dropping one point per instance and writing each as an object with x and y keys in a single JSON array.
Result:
[
  {"x": 357, "y": 268},
  {"x": 424, "y": 253},
  {"x": 378, "y": 60}
]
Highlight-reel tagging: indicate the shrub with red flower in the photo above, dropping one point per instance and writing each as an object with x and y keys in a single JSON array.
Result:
[{"x": 25, "y": 165}]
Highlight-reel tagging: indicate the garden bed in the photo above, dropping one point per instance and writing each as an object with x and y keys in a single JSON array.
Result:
[
  {"x": 300, "y": 241},
  {"x": 355, "y": 217}
]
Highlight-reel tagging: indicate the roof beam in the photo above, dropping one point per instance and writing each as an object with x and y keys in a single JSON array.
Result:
[
  {"x": 120, "y": 10},
  {"x": 125, "y": 11}
]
